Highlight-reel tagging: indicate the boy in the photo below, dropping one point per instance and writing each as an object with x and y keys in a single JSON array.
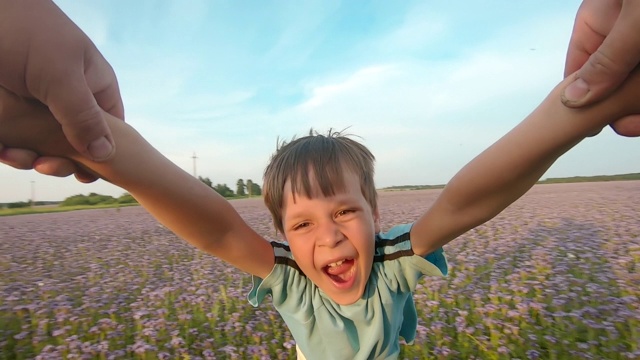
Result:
[{"x": 343, "y": 287}]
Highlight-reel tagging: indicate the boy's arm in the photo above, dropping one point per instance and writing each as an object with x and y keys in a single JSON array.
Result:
[
  {"x": 512, "y": 165},
  {"x": 178, "y": 200}
]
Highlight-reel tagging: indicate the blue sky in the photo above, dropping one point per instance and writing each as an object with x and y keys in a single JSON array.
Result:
[{"x": 427, "y": 85}]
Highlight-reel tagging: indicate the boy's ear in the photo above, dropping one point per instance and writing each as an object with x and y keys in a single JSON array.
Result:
[{"x": 376, "y": 220}]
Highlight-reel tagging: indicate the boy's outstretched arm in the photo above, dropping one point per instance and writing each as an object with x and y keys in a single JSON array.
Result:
[
  {"x": 511, "y": 166},
  {"x": 178, "y": 200}
]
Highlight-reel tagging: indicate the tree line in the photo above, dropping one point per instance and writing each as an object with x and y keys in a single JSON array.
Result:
[
  {"x": 243, "y": 189},
  {"x": 77, "y": 200},
  {"x": 98, "y": 199},
  {"x": 248, "y": 188}
]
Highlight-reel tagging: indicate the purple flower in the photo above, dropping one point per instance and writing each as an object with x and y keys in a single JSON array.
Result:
[
  {"x": 533, "y": 354},
  {"x": 21, "y": 336}
]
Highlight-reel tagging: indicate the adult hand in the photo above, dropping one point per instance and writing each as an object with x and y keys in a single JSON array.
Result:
[
  {"x": 604, "y": 48},
  {"x": 45, "y": 56},
  {"x": 13, "y": 107}
]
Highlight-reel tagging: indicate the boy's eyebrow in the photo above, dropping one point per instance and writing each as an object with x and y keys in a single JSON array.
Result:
[
  {"x": 295, "y": 217},
  {"x": 345, "y": 199},
  {"x": 340, "y": 200}
]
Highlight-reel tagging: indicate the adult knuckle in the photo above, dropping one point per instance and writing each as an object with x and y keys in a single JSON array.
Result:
[{"x": 606, "y": 64}]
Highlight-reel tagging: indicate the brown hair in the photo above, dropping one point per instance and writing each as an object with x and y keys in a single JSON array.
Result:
[{"x": 326, "y": 156}]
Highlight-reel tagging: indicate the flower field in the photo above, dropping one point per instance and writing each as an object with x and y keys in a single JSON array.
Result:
[{"x": 555, "y": 276}]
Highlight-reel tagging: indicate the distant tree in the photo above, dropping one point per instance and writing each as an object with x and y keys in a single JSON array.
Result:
[
  {"x": 206, "y": 181},
  {"x": 91, "y": 199},
  {"x": 249, "y": 187},
  {"x": 18, "y": 205},
  {"x": 240, "y": 188},
  {"x": 255, "y": 189},
  {"x": 126, "y": 198},
  {"x": 223, "y": 190}
]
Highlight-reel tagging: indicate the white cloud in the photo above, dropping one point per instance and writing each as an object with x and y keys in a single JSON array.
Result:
[
  {"x": 425, "y": 119},
  {"x": 322, "y": 95}
]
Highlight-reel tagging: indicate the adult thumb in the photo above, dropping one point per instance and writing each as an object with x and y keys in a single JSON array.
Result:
[
  {"x": 83, "y": 124},
  {"x": 612, "y": 62}
]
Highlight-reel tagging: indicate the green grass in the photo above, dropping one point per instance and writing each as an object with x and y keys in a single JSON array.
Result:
[
  {"x": 573, "y": 179},
  {"x": 54, "y": 208},
  {"x": 51, "y": 209}
]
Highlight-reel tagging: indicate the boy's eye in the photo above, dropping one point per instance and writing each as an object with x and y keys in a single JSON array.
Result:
[
  {"x": 344, "y": 212},
  {"x": 301, "y": 226}
]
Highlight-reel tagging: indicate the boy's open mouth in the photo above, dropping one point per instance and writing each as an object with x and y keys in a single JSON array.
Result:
[{"x": 341, "y": 272}]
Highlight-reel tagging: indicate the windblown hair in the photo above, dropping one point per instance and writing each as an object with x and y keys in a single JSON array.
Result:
[{"x": 324, "y": 156}]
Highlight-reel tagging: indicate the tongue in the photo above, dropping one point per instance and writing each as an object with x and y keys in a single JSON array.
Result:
[{"x": 336, "y": 271}]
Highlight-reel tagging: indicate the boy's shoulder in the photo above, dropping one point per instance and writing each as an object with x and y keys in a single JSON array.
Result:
[
  {"x": 400, "y": 230},
  {"x": 396, "y": 243},
  {"x": 283, "y": 256}
]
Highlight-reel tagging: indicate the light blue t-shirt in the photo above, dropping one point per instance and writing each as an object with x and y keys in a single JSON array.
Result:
[{"x": 370, "y": 327}]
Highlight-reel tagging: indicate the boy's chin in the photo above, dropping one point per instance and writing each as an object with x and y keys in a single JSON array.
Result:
[{"x": 346, "y": 299}]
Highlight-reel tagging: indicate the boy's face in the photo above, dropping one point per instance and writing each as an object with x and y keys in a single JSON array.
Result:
[{"x": 332, "y": 238}]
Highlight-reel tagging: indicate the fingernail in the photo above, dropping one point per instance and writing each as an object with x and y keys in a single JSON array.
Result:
[
  {"x": 576, "y": 91},
  {"x": 100, "y": 149}
]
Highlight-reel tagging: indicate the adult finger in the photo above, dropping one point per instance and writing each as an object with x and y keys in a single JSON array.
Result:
[
  {"x": 627, "y": 126},
  {"x": 54, "y": 166},
  {"x": 594, "y": 21},
  {"x": 62, "y": 167},
  {"x": 85, "y": 176},
  {"x": 18, "y": 158},
  {"x": 611, "y": 63}
]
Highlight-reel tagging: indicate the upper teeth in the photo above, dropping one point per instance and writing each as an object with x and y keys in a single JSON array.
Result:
[{"x": 337, "y": 263}]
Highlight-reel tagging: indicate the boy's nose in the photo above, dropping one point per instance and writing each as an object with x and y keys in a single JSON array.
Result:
[{"x": 329, "y": 234}]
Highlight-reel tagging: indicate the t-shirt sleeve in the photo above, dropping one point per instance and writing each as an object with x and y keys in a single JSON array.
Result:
[
  {"x": 400, "y": 269},
  {"x": 262, "y": 287},
  {"x": 398, "y": 266},
  {"x": 439, "y": 259},
  {"x": 274, "y": 282},
  {"x": 289, "y": 288}
]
